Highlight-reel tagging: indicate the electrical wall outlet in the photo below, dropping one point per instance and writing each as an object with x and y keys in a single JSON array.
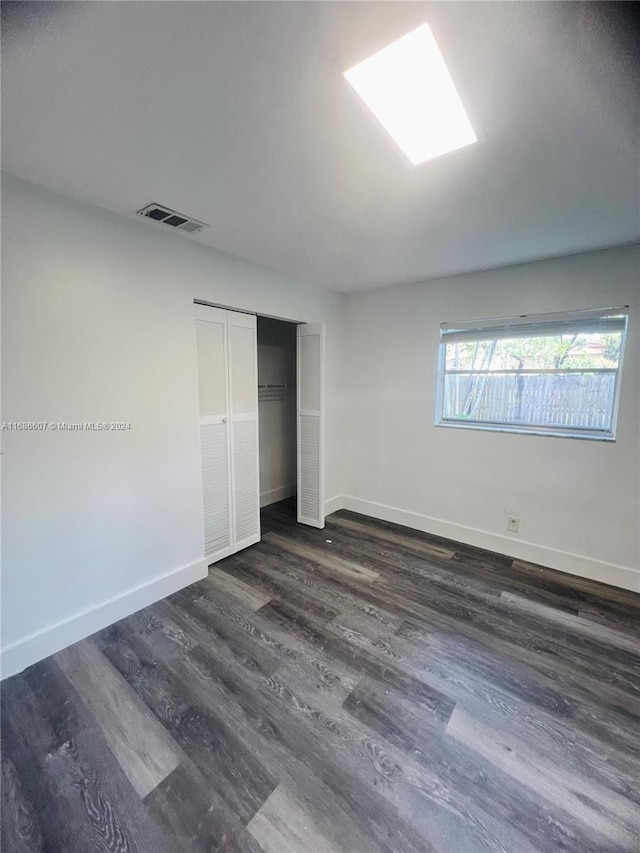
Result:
[{"x": 513, "y": 524}]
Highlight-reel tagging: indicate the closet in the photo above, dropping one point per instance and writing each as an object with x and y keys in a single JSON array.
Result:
[
  {"x": 228, "y": 379},
  {"x": 277, "y": 409},
  {"x": 291, "y": 415},
  {"x": 228, "y": 394}
]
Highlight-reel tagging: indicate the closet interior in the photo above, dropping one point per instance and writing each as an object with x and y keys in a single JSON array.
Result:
[{"x": 277, "y": 409}]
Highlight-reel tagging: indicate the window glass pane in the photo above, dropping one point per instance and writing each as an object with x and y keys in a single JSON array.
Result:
[
  {"x": 550, "y": 352},
  {"x": 580, "y": 400},
  {"x": 555, "y": 373}
]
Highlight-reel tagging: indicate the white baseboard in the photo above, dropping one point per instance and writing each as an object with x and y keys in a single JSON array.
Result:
[
  {"x": 275, "y": 495},
  {"x": 333, "y": 504},
  {"x": 266, "y": 498},
  {"x": 563, "y": 561},
  {"x": 23, "y": 653}
]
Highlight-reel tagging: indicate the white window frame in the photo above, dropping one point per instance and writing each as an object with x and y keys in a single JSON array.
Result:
[{"x": 606, "y": 319}]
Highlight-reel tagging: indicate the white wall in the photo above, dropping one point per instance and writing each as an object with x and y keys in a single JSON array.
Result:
[
  {"x": 98, "y": 326},
  {"x": 277, "y": 410},
  {"x": 579, "y": 501}
]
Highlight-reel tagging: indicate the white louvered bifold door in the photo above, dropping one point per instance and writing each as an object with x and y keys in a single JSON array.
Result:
[
  {"x": 245, "y": 464},
  {"x": 213, "y": 385},
  {"x": 310, "y": 405}
]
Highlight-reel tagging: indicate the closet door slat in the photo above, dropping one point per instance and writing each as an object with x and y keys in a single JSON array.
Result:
[
  {"x": 310, "y": 412},
  {"x": 213, "y": 386},
  {"x": 243, "y": 372},
  {"x": 215, "y": 487}
]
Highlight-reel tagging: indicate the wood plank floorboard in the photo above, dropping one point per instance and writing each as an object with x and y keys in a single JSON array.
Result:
[
  {"x": 365, "y": 688},
  {"x": 284, "y": 825},
  {"x": 247, "y": 595},
  {"x": 144, "y": 750},
  {"x": 575, "y": 623}
]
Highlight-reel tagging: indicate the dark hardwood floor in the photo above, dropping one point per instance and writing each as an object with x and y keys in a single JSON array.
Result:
[{"x": 359, "y": 688}]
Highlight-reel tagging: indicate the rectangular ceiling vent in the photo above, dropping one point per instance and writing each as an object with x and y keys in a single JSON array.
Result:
[{"x": 170, "y": 217}]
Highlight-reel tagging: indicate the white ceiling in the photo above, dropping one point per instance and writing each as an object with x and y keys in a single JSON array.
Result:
[{"x": 237, "y": 114}]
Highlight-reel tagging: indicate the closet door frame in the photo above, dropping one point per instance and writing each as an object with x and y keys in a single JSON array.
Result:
[{"x": 201, "y": 312}]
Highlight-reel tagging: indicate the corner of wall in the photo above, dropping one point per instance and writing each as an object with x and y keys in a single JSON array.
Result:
[
  {"x": 35, "y": 647},
  {"x": 333, "y": 504}
]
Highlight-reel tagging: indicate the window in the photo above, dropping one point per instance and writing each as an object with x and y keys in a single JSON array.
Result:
[{"x": 548, "y": 374}]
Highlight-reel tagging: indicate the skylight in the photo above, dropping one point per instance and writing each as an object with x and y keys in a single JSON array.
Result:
[{"x": 408, "y": 88}]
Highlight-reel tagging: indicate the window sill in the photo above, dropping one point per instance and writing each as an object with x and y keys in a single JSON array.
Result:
[{"x": 540, "y": 431}]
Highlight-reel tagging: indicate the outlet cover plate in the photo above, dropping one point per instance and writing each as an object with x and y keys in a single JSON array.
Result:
[{"x": 513, "y": 524}]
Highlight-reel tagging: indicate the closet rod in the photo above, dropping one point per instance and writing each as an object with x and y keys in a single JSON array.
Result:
[{"x": 276, "y": 386}]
